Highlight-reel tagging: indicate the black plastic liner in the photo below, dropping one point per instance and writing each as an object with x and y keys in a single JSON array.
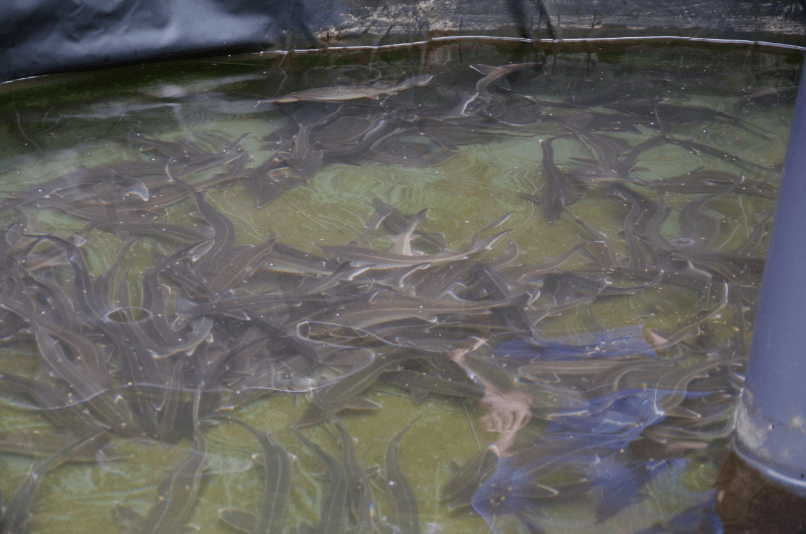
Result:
[
  {"x": 40, "y": 36},
  {"x": 44, "y": 36}
]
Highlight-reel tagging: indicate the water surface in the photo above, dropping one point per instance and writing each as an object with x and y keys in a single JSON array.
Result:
[{"x": 593, "y": 340}]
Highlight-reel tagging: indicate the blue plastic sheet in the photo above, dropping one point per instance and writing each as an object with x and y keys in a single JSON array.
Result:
[{"x": 614, "y": 343}]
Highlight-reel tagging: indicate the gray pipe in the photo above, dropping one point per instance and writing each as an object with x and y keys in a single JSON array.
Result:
[{"x": 771, "y": 424}]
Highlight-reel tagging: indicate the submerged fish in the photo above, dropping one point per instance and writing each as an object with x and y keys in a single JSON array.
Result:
[
  {"x": 401, "y": 495},
  {"x": 498, "y": 74},
  {"x": 176, "y": 493},
  {"x": 276, "y": 487},
  {"x": 367, "y": 257},
  {"x": 556, "y": 191},
  {"x": 349, "y": 92},
  {"x": 15, "y": 514},
  {"x": 333, "y": 516}
]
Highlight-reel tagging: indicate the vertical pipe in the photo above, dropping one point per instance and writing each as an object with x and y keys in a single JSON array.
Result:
[{"x": 771, "y": 425}]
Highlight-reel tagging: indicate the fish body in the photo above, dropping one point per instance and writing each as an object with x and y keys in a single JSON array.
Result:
[
  {"x": 363, "y": 257},
  {"x": 339, "y": 93},
  {"x": 15, "y": 514},
  {"x": 333, "y": 517},
  {"x": 176, "y": 496},
  {"x": 404, "y": 503},
  {"x": 276, "y": 487},
  {"x": 555, "y": 193},
  {"x": 498, "y": 74}
]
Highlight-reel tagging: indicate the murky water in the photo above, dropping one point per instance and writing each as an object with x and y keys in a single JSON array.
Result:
[{"x": 593, "y": 340}]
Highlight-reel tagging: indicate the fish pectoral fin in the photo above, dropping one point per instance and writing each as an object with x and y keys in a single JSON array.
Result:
[
  {"x": 536, "y": 491},
  {"x": 418, "y": 394},
  {"x": 238, "y": 519},
  {"x": 359, "y": 403},
  {"x": 484, "y": 70},
  {"x": 683, "y": 412},
  {"x": 571, "y": 199},
  {"x": 127, "y": 517},
  {"x": 455, "y": 466},
  {"x": 537, "y": 199},
  {"x": 588, "y": 161}
]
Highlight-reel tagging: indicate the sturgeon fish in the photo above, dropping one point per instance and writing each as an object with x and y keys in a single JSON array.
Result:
[{"x": 348, "y": 92}]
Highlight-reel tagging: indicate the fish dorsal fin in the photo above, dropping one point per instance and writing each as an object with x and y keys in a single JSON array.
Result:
[{"x": 401, "y": 243}]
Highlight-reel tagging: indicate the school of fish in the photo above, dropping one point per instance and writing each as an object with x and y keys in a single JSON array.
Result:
[{"x": 178, "y": 347}]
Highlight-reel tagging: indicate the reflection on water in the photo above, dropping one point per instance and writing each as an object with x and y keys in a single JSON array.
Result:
[{"x": 423, "y": 294}]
